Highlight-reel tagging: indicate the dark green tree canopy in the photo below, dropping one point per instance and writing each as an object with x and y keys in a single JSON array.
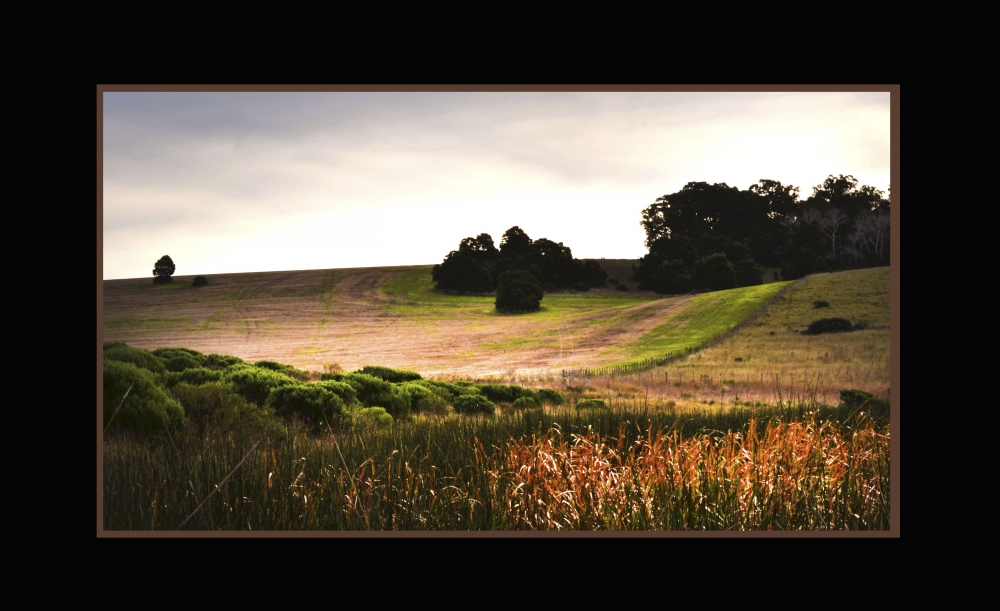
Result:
[
  {"x": 163, "y": 269},
  {"x": 518, "y": 291},
  {"x": 477, "y": 264},
  {"x": 714, "y": 273}
]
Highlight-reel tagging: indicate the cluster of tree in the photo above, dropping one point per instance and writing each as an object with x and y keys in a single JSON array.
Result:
[
  {"x": 163, "y": 269},
  {"x": 477, "y": 265},
  {"x": 841, "y": 225}
]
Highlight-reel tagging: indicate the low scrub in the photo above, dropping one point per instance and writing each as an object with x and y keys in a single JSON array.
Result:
[
  {"x": 313, "y": 403},
  {"x": 525, "y": 403},
  {"x": 216, "y": 408},
  {"x": 143, "y": 359},
  {"x": 372, "y": 418},
  {"x": 591, "y": 404},
  {"x": 255, "y": 383},
  {"x": 134, "y": 402},
  {"x": 501, "y": 393},
  {"x": 388, "y": 374},
  {"x": 549, "y": 397},
  {"x": 829, "y": 325},
  {"x": 199, "y": 375},
  {"x": 474, "y": 404}
]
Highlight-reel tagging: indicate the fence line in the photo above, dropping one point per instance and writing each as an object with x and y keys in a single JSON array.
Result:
[{"x": 673, "y": 356}]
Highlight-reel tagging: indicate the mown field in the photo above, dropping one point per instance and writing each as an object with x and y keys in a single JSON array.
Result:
[{"x": 393, "y": 317}]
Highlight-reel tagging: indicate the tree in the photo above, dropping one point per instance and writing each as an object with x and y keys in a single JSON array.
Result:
[
  {"x": 672, "y": 278},
  {"x": 748, "y": 274},
  {"x": 518, "y": 291},
  {"x": 714, "y": 272},
  {"x": 163, "y": 269}
]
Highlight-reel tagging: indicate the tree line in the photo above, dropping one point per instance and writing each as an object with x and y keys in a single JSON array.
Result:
[{"x": 713, "y": 236}]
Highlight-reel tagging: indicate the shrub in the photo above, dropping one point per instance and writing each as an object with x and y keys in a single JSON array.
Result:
[
  {"x": 714, "y": 273},
  {"x": 501, "y": 393},
  {"x": 343, "y": 390},
  {"x": 215, "y": 407},
  {"x": 255, "y": 383},
  {"x": 367, "y": 386},
  {"x": 860, "y": 325},
  {"x": 748, "y": 273},
  {"x": 621, "y": 287},
  {"x": 147, "y": 409},
  {"x": 199, "y": 375},
  {"x": 549, "y": 396},
  {"x": 427, "y": 398},
  {"x": 474, "y": 404},
  {"x": 373, "y": 418},
  {"x": 591, "y": 404},
  {"x": 518, "y": 291},
  {"x": 856, "y": 399},
  {"x": 179, "y": 359},
  {"x": 199, "y": 281},
  {"x": 336, "y": 377},
  {"x": 580, "y": 286},
  {"x": 525, "y": 403},
  {"x": 821, "y": 303},
  {"x": 288, "y": 370},
  {"x": 397, "y": 401},
  {"x": 613, "y": 281},
  {"x": 143, "y": 359},
  {"x": 829, "y": 325},
  {"x": 389, "y": 375},
  {"x": 222, "y": 361},
  {"x": 315, "y": 404}
]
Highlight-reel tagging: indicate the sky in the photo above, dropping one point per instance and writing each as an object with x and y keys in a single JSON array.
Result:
[{"x": 269, "y": 181}]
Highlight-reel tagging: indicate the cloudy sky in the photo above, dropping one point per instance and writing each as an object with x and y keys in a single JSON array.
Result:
[{"x": 237, "y": 182}]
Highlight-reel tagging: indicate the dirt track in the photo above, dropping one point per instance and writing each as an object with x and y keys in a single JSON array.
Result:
[{"x": 312, "y": 318}]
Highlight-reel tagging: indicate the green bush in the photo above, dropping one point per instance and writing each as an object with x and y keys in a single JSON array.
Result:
[
  {"x": 367, "y": 386},
  {"x": 147, "y": 409},
  {"x": 714, "y": 273},
  {"x": 518, "y": 291},
  {"x": 199, "y": 281},
  {"x": 821, "y": 303},
  {"x": 199, "y": 375},
  {"x": 137, "y": 356},
  {"x": 501, "y": 393},
  {"x": 525, "y": 403},
  {"x": 179, "y": 359},
  {"x": 591, "y": 404},
  {"x": 333, "y": 377},
  {"x": 389, "y": 375},
  {"x": 222, "y": 361},
  {"x": 397, "y": 401},
  {"x": 369, "y": 418},
  {"x": 273, "y": 366},
  {"x": 426, "y": 398},
  {"x": 474, "y": 404},
  {"x": 215, "y": 408},
  {"x": 256, "y": 383},
  {"x": 748, "y": 273},
  {"x": 829, "y": 325},
  {"x": 343, "y": 390},
  {"x": 316, "y": 405},
  {"x": 549, "y": 396}
]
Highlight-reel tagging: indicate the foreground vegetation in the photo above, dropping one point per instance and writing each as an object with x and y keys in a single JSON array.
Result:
[
  {"x": 620, "y": 468},
  {"x": 197, "y": 441}
]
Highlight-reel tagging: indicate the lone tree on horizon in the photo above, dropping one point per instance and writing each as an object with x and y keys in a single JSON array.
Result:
[{"x": 163, "y": 269}]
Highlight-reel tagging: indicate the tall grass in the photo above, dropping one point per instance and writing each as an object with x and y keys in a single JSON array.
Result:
[{"x": 622, "y": 469}]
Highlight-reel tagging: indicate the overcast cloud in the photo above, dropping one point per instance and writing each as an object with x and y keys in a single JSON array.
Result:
[{"x": 236, "y": 182}]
